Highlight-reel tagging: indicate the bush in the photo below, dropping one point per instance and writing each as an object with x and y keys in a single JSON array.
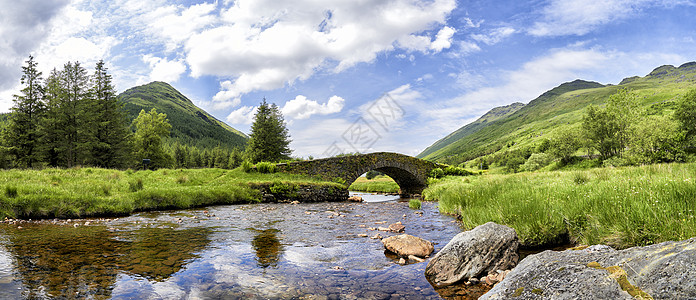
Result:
[
  {"x": 246, "y": 166},
  {"x": 456, "y": 171},
  {"x": 436, "y": 173},
  {"x": 265, "y": 167},
  {"x": 537, "y": 161},
  {"x": 414, "y": 204},
  {"x": 616, "y": 161}
]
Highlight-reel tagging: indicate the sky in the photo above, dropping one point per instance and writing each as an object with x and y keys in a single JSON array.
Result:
[{"x": 350, "y": 75}]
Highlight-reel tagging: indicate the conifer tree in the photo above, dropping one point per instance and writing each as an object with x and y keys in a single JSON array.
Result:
[
  {"x": 269, "y": 139},
  {"x": 110, "y": 126},
  {"x": 51, "y": 123},
  {"x": 22, "y": 135}
]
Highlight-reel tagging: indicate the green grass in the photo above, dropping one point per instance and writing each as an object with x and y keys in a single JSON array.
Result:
[
  {"x": 414, "y": 204},
  {"x": 86, "y": 192},
  {"x": 379, "y": 184},
  {"x": 621, "y": 207}
]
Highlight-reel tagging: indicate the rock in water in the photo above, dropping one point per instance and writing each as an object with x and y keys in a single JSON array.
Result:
[
  {"x": 404, "y": 245},
  {"x": 480, "y": 251},
  {"x": 355, "y": 199},
  {"x": 661, "y": 271}
]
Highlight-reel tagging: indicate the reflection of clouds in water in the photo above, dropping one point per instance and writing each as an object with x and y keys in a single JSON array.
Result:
[{"x": 312, "y": 256}]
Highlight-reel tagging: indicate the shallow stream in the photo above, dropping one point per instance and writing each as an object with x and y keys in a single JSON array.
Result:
[{"x": 258, "y": 251}]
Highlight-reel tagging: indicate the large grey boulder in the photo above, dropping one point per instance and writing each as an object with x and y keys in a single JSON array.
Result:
[
  {"x": 661, "y": 271},
  {"x": 480, "y": 251}
]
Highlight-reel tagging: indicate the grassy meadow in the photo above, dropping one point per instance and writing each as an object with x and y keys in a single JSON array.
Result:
[
  {"x": 379, "y": 184},
  {"x": 621, "y": 207},
  {"x": 90, "y": 192}
]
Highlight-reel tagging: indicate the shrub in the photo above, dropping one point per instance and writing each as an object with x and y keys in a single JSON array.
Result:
[
  {"x": 246, "y": 166},
  {"x": 414, "y": 204},
  {"x": 265, "y": 167},
  {"x": 436, "y": 173},
  {"x": 537, "y": 161}
]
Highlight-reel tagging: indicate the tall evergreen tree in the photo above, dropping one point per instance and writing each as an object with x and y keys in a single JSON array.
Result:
[
  {"x": 269, "y": 139},
  {"x": 110, "y": 128},
  {"x": 52, "y": 122},
  {"x": 73, "y": 119},
  {"x": 23, "y": 131}
]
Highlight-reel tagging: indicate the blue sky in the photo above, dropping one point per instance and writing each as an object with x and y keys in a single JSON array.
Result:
[{"x": 388, "y": 75}]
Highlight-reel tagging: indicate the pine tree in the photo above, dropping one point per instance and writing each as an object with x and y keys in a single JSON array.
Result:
[
  {"x": 73, "y": 118},
  {"x": 269, "y": 139},
  {"x": 51, "y": 124},
  {"x": 110, "y": 128},
  {"x": 22, "y": 135}
]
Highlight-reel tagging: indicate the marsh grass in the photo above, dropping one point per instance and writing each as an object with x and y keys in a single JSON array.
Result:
[
  {"x": 379, "y": 184},
  {"x": 414, "y": 204},
  {"x": 621, "y": 207},
  {"x": 87, "y": 192}
]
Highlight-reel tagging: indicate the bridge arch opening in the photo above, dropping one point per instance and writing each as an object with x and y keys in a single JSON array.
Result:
[{"x": 409, "y": 184}]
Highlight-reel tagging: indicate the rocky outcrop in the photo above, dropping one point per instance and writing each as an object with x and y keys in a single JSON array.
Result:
[
  {"x": 404, "y": 245},
  {"x": 661, "y": 271},
  {"x": 484, "y": 250}
]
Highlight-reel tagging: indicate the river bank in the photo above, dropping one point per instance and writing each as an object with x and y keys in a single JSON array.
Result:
[
  {"x": 94, "y": 192},
  {"x": 620, "y": 207}
]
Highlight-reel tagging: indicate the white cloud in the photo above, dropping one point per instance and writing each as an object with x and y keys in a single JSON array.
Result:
[
  {"x": 579, "y": 17},
  {"x": 443, "y": 40},
  {"x": 264, "y": 44},
  {"x": 495, "y": 36},
  {"x": 175, "y": 24},
  {"x": 303, "y": 108},
  {"x": 243, "y": 115},
  {"x": 163, "y": 69}
]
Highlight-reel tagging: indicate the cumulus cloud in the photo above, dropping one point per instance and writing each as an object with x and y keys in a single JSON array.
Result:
[
  {"x": 175, "y": 23},
  {"x": 303, "y": 108},
  {"x": 163, "y": 69},
  {"x": 263, "y": 45},
  {"x": 242, "y": 115},
  {"x": 443, "y": 40}
]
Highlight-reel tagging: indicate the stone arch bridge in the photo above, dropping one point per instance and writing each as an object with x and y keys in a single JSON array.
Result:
[{"x": 410, "y": 173}]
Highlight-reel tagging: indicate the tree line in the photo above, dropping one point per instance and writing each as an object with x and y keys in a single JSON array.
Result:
[
  {"x": 619, "y": 133},
  {"x": 72, "y": 118}
]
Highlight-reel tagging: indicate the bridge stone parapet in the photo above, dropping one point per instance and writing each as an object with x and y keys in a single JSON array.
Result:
[{"x": 410, "y": 173}]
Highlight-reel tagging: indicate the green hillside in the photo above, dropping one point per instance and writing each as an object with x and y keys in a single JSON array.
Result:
[
  {"x": 490, "y": 117},
  {"x": 560, "y": 107},
  {"x": 190, "y": 124}
]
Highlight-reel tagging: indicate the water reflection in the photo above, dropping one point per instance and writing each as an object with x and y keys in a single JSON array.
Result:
[
  {"x": 55, "y": 261},
  {"x": 259, "y": 251},
  {"x": 157, "y": 253},
  {"x": 267, "y": 247}
]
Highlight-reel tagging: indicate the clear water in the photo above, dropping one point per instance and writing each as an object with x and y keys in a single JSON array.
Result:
[{"x": 261, "y": 251}]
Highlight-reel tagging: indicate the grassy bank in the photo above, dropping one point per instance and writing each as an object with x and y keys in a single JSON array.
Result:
[
  {"x": 379, "y": 184},
  {"x": 85, "y": 192},
  {"x": 621, "y": 207}
]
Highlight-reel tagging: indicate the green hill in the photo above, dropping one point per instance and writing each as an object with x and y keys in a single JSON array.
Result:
[
  {"x": 488, "y": 118},
  {"x": 190, "y": 124},
  {"x": 560, "y": 107}
]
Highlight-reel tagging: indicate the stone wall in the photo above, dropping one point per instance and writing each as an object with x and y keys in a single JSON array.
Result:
[{"x": 410, "y": 173}]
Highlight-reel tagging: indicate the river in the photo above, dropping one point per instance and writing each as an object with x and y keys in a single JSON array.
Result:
[{"x": 258, "y": 251}]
